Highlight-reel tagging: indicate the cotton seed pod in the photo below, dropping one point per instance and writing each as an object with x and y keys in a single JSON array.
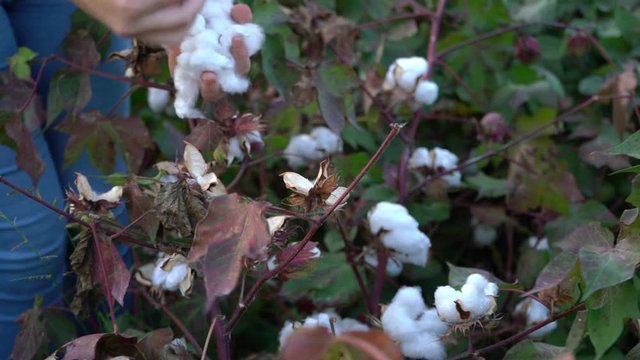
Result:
[{"x": 527, "y": 49}]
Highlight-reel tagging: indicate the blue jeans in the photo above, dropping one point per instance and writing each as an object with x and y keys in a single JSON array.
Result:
[{"x": 33, "y": 240}]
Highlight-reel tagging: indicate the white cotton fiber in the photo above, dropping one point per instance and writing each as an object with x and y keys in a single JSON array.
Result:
[
  {"x": 390, "y": 216},
  {"x": 340, "y": 325},
  {"x": 535, "y": 313},
  {"x": 175, "y": 276},
  {"x": 477, "y": 297},
  {"x": 408, "y": 71},
  {"x": 301, "y": 150},
  {"x": 207, "y": 48},
  {"x": 445, "y": 302},
  {"x": 158, "y": 99},
  {"x": 410, "y": 245},
  {"x": 484, "y": 235},
  {"x": 420, "y": 158},
  {"x": 327, "y": 141},
  {"x": 426, "y": 92},
  {"x": 408, "y": 321}
]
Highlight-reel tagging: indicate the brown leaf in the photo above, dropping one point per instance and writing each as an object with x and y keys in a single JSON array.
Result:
[
  {"x": 374, "y": 344},
  {"x": 80, "y": 48},
  {"x": 139, "y": 203},
  {"x": 32, "y": 334},
  {"x": 205, "y": 136},
  {"x": 623, "y": 84},
  {"x": 180, "y": 208},
  {"x": 154, "y": 342},
  {"x": 27, "y": 156},
  {"x": 81, "y": 261},
  {"x": 134, "y": 139},
  {"x": 118, "y": 274},
  {"x": 306, "y": 343},
  {"x": 101, "y": 347},
  {"x": 232, "y": 229}
]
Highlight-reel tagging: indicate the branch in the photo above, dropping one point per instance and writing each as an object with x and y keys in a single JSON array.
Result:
[
  {"x": 519, "y": 336},
  {"x": 242, "y": 308}
]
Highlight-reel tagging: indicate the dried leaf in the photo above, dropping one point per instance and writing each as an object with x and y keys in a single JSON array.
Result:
[
  {"x": 154, "y": 342},
  {"x": 80, "y": 48},
  {"x": 232, "y": 229},
  {"x": 623, "y": 84},
  {"x": 138, "y": 204},
  {"x": 205, "y": 136},
  {"x": 27, "y": 156},
  {"x": 180, "y": 209},
  {"x": 101, "y": 347},
  {"x": 32, "y": 334}
]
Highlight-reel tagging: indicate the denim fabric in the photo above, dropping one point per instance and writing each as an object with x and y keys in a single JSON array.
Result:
[{"x": 33, "y": 240}]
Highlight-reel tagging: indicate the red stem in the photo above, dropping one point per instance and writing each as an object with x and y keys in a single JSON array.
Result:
[
  {"x": 248, "y": 299},
  {"x": 222, "y": 338},
  {"x": 381, "y": 272}
]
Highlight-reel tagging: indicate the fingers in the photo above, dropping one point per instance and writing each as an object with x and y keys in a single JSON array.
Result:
[
  {"x": 241, "y": 55},
  {"x": 210, "y": 87},
  {"x": 241, "y": 14},
  {"x": 172, "y": 56}
]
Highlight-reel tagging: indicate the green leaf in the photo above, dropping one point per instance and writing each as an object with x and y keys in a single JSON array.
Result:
[
  {"x": 19, "y": 63},
  {"x": 69, "y": 91},
  {"x": 489, "y": 187},
  {"x": 426, "y": 213},
  {"x": 605, "y": 324},
  {"x": 602, "y": 268},
  {"x": 530, "y": 350},
  {"x": 274, "y": 64},
  {"x": 577, "y": 332},
  {"x": 629, "y": 147},
  {"x": 331, "y": 106},
  {"x": 338, "y": 79}
]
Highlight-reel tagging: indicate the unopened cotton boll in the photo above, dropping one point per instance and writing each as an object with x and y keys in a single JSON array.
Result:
[
  {"x": 535, "y": 313},
  {"x": 158, "y": 99},
  {"x": 301, "y": 150},
  {"x": 390, "y": 216},
  {"x": 426, "y": 92},
  {"x": 327, "y": 141}
]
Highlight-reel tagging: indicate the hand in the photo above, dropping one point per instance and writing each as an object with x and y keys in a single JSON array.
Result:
[
  {"x": 209, "y": 86},
  {"x": 159, "y": 22}
]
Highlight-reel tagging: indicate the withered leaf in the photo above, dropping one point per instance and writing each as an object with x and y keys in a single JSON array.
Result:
[
  {"x": 32, "y": 334},
  {"x": 81, "y": 261},
  {"x": 205, "y": 136},
  {"x": 139, "y": 203},
  {"x": 80, "y": 48},
  {"x": 153, "y": 343},
  {"x": 232, "y": 229},
  {"x": 180, "y": 208},
  {"x": 118, "y": 275},
  {"x": 101, "y": 347},
  {"x": 27, "y": 156},
  {"x": 622, "y": 84}
]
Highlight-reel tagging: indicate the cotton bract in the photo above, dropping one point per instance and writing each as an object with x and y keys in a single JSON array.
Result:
[
  {"x": 415, "y": 327},
  {"x": 535, "y": 313},
  {"x": 399, "y": 232},
  {"x": 474, "y": 301},
  {"x": 438, "y": 160},
  {"x": 306, "y": 149},
  {"x": 406, "y": 75},
  {"x": 207, "y": 48},
  {"x": 340, "y": 325}
]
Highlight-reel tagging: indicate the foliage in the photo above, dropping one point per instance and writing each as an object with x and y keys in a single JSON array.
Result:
[{"x": 536, "y": 98}]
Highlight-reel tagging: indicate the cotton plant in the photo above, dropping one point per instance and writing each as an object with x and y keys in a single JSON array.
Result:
[
  {"x": 406, "y": 76},
  {"x": 329, "y": 320},
  {"x": 463, "y": 308},
  {"x": 305, "y": 149},
  {"x": 207, "y": 48},
  {"x": 435, "y": 161},
  {"x": 87, "y": 202},
  {"x": 415, "y": 327},
  {"x": 399, "y": 232},
  {"x": 535, "y": 312}
]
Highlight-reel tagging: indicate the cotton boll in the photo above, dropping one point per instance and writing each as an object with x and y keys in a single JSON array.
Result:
[
  {"x": 420, "y": 158},
  {"x": 199, "y": 24},
  {"x": 399, "y": 318},
  {"x": 535, "y": 313},
  {"x": 476, "y": 282},
  {"x": 444, "y": 158},
  {"x": 411, "y": 245},
  {"x": 158, "y": 99},
  {"x": 426, "y": 92},
  {"x": 252, "y": 36},
  {"x": 445, "y": 302},
  {"x": 159, "y": 276},
  {"x": 186, "y": 95},
  {"x": 177, "y": 274},
  {"x": 302, "y": 149},
  {"x": 390, "y": 78},
  {"x": 231, "y": 82},
  {"x": 484, "y": 235},
  {"x": 408, "y": 71},
  {"x": 539, "y": 244},
  {"x": 216, "y": 9},
  {"x": 389, "y": 216},
  {"x": 234, "y": 151},
  {"x": 328, "y": 141},
  {"x": 429, "y": 322},
  {"x": 423, "y": 346}
]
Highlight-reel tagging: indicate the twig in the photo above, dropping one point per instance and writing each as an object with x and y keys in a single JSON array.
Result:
[
  {"x": 208, "y": 340},
  {"x": 130, "y": 225},
  {"x": 222, "y": 338},
  {"x": 381, "y": 272},
  {"x": 174, "y": 319},
  {"x": 433, "y": 37},
  {"x": 519, "y": 336},
  {"x": 240, "y": 310}
]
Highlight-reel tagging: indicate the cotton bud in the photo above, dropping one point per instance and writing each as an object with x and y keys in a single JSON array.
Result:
[
  {"x": 302, "y": 150},
  {"x": 474, "y": 301},
  {"x": 579, "y": 43},
  {"x": 527, "y": 49},
  {"x": 493, "y": 127},
  {"x": 324, "y": 320},
  {"x": 535, "y": 312},
  {"x": 417, "y": 329},
  {"x": 539, "y": 244},
  {"x": 327, "y": 141},
  {"x": 158, "y": 99},
  {"x": 426, "y": 92}
]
